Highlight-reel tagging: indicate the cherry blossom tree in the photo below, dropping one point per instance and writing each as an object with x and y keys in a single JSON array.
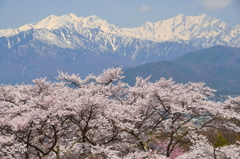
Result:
[{"x": 103, "y": 117}]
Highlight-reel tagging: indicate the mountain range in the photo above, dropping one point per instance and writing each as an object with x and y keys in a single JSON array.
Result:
[{"x": 89, "y": 45}]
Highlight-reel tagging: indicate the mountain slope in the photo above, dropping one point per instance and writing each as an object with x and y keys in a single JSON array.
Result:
[
  {"x": 218, "y": 67},
  {"x": 219, "y": 55}
]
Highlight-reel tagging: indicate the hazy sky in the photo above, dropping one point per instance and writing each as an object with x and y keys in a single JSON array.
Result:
[{"x": 123, "y": 13}]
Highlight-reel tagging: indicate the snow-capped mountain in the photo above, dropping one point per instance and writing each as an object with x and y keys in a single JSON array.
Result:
[
  {"x": 87, "y": 45},
  {"x": 200, "y": 30}
]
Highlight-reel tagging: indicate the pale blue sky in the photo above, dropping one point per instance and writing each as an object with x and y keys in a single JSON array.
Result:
[{"x": 122, "y": 13}]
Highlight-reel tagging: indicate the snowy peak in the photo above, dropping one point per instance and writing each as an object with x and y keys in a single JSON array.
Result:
[
  {"x": 181, "y": 28},
  {"x": 93, "y": 22},
  {"x": 181, "y": 19},
  {"x": 147, "y": 25},
  {"x": 71, "y": 16},
  {"x": 53, "y": 22}
]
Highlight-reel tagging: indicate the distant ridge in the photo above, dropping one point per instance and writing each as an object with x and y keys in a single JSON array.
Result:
[
  {"x": 218, "y": 55},
  {"x": 218, "y": 67}
]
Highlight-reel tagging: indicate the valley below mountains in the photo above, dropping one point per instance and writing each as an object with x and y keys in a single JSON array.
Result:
[{"x": 88, "y": 45}]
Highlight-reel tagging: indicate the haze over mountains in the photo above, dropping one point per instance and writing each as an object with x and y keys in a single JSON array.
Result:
[{"x": 88, "y": 45}]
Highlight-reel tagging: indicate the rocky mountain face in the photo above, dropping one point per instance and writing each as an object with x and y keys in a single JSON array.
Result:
[{"x": 88, "y": 45}]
